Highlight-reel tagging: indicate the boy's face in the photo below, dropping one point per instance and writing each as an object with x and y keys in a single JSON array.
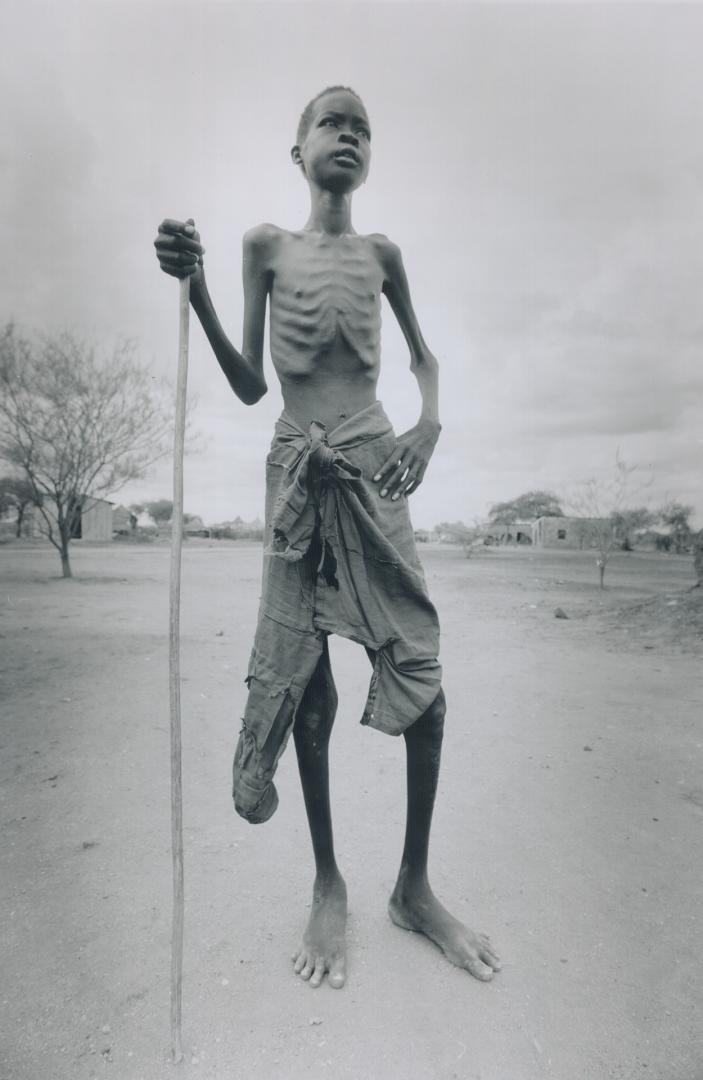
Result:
[{"x": 336, "y": 151}]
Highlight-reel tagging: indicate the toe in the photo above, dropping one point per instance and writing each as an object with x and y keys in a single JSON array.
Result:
[
  {"x": 318, "y": 972},
  {"x": 338, "y": 974},
  {"x": 300, "y": 962},
  {"x": 479, "y": 970},
  {"x": 487, "y": 953},
  {"x": 491, "y": 959}
]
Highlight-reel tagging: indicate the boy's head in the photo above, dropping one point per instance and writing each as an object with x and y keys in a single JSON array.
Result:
[
  {"x": 333, "y": 147},
  {"x": 309, "y": 110}
]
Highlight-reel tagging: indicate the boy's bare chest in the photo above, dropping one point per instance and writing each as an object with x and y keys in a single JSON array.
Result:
[{"x": 319, "y": 279}]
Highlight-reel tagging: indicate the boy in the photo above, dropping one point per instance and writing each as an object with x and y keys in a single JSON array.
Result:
[{"x": 340, "y": 554}]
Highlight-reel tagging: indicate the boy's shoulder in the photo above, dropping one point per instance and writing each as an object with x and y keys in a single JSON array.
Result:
[
  {"x": 266, "y": 233},
  {"x": 382, "y": 242},
  {"x": 262, "y": 236},
  {"x": 265, "y": 240},
  {"x": 261, "y": 246},
  {"x": 386, "y": 251}
]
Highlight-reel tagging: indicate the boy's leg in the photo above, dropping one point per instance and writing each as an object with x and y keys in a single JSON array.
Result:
[
  {"x": 413, "y": 905},
  {"x": 323, "y": 948}
]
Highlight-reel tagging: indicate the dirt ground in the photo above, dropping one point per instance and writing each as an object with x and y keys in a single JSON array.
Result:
[{"x": 568, "y": 827}]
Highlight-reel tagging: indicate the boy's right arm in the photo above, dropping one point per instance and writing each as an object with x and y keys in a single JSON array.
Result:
[{"x": 180, "y": 253}]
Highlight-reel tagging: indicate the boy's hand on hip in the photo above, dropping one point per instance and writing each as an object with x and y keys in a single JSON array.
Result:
[
  {"x": 179, "y": 250},
  {"x": 404, "y": 470}
]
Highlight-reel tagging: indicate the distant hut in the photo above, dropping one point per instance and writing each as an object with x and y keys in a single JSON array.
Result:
[
  {"x": 513, "y": 532},
  {"x": 195, "y": 526},
  {"x": 92, "y": 519},
  {"x": 576, "y": 533}
]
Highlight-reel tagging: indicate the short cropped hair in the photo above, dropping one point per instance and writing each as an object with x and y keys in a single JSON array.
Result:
[{"x": 306, "y": 116}]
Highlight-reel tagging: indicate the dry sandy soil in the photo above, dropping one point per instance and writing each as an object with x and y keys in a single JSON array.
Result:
[{"x": 569, "y": 827}]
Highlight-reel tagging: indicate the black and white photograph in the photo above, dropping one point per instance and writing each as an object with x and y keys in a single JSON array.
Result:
[{"x": 351, "y": 540}]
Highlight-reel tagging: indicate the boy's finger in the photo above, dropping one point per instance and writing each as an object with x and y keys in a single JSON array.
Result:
[
  {"x": 178, "y": 258},
  {"x": 185, "y": 228},
  {"x": 420, "y": 475},
  {"x": 171, "y": 225},
  {"x": 409, "y": 484},
  {"x": 408, "y": 481},
  {"x": 392, "y": 481},
  {"x": 179, "y": 242},
  {"x": 393, "y": 462}
]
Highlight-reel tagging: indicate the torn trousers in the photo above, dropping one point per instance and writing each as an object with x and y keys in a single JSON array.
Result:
[{"x": 337, "y": 559}]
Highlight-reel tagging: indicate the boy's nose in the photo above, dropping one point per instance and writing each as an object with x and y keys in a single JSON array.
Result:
[{"x": 347, "y": 137}]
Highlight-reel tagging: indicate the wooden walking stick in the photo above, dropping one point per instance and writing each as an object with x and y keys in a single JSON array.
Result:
[{"x": 175, "y": 676}]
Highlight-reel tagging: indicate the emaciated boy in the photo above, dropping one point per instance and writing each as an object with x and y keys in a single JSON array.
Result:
[{"x": 340, "y": 554}]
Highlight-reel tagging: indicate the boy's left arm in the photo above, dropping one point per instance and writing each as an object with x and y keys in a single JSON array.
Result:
[{"x": 403, "y": 473}]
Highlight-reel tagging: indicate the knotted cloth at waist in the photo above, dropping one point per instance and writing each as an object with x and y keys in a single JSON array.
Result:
[{"x": 368, "y": 583}]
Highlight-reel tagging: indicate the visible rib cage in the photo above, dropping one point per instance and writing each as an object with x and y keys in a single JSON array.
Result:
[{"x": 325, "y": 297}]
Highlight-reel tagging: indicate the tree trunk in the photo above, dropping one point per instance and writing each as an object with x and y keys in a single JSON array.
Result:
[
  {"x": 20, "y": 519},
  {"x": 65, "y": 561},
  {"x": 601, "y": 571}
]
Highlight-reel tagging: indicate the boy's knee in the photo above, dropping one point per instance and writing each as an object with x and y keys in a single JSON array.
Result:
[
  {"x": 318, "y": 708},
  {"x": 436, "y": 713},
  {"x": 430, "y": 725}
]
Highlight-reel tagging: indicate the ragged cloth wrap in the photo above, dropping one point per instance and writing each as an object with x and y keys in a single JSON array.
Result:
[{"x": 338, "y": 559}]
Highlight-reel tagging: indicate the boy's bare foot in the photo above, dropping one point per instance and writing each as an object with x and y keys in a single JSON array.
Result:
[
  {"x": 417, "y": 908},
  {"x": 323, "y": 948}
]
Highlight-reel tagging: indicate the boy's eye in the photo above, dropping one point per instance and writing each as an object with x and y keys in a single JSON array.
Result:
[
  {"x": 362, "y": 131},
  {"x": 328, "y": 120}
]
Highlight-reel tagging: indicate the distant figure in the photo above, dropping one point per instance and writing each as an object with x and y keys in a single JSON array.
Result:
[{"x": 340, "y": 554}]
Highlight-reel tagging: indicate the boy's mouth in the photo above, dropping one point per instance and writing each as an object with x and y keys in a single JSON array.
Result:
[{"x": 347, "y": 154}]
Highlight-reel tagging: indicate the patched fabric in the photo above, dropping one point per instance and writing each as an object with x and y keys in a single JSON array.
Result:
[{"x": 337, "y": 559}]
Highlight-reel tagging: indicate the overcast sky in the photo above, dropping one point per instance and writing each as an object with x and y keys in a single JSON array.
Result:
[{"x": 541, "y": 167}]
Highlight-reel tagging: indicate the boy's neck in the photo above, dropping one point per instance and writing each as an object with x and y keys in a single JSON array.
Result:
[{"x": 330, "y": 212}]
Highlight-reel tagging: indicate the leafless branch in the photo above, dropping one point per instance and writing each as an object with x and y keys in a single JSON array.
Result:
[{"x": 75, "y": 424}]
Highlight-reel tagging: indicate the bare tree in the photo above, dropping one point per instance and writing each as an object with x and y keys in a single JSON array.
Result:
[
  {"x": 77, "y": 426},
  {"x": 602, "y": 504},
  {"x": 456, "y": 532},
  {"x": 16, "y": 494}
]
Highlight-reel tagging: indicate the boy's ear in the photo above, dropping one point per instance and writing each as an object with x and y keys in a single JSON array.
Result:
[{"x": 296, "y": 155}]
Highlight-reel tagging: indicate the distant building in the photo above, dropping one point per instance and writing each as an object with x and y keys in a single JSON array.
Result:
[
  {"x": 92, "y": 522},
  {"x": 567, "y": 532},
  {"x": 514, "y": 532},
  {"x": 195, "y": 526}
]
